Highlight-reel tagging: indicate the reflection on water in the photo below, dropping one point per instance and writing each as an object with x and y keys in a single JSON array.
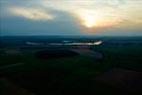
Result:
[{"x": 68, "y": 43}]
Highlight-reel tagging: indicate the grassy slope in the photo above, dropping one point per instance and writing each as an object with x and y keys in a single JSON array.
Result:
[
  {"x": 124, "y": 57},
  {"x": 76, "y": 72}
]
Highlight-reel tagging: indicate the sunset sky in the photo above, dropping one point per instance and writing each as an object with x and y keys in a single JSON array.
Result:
[{"x": 71, "y": 17}]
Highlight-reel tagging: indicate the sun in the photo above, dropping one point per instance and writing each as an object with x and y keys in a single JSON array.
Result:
[
  {"x": 88, "y": 18},
  {"x": 98, "y": 19},
  {"x": 89, "y": 21}
]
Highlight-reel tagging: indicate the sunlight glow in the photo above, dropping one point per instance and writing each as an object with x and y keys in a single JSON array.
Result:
[
  {"x": 89, "y": 21},
  {"x": 97, "y": 19},
  {"x": 30, "y": 13}
]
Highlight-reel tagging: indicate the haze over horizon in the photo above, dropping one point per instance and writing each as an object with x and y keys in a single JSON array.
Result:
[{"x": 71, "y": 17}]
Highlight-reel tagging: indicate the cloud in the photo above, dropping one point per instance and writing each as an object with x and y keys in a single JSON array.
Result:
[
  {"x": 127, "y": 11},
  {"x": 122, "y": 12},
  {"x": 31, "y": 13},
  {"x": 113, "y": 14}
]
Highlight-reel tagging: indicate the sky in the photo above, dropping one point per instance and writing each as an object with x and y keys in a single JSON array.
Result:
[{"x": 71, "y": 17}]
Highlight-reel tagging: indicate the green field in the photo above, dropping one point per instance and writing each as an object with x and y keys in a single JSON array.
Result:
[{"x": 71, "y": 73}]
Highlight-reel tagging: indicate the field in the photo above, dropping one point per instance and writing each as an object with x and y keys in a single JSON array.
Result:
[{"x": 22, "y": 69}]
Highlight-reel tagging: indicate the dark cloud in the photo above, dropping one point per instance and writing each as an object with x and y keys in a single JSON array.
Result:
[
  {"x": 64, "y": 22},
  {"x": 20, "y": 26}
]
